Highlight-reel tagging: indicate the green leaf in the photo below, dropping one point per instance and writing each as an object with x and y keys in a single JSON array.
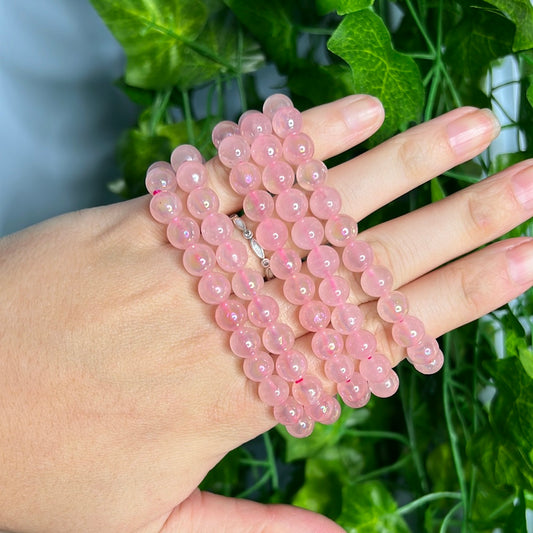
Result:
[
  {"x": 363, "y": 41},
  {"x": 342, "y": 7},
  {"x": 521, "y": 13},
  {"x": 437, "y": 192}
]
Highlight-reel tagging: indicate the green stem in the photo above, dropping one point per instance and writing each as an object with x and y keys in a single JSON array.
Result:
[
  {"x": 159, "y": 108},
  {"x": 385, "y": 470},
  {"x": 187, "y": 111},
  {"x": 421, "y": 27},
  {"x": 377, "y": 435},
  {"x": 271, "y": 459},
  {"x": 406, "y": 509},
  {"x": 448, "y": 517},
  {"x": 258, "y": 484}
]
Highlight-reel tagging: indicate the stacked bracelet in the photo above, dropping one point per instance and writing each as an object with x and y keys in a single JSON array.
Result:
[{"x": 284, "y": 191}]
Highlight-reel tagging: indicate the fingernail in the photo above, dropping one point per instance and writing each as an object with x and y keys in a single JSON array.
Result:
[
  {"x": 472, "y": 131},
  {"x": 522, "y": 184},
  {"x": 361, "y": 111},
  {"x": 520, "y": 263}
]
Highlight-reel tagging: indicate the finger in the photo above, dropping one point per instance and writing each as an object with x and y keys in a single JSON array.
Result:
[{"x": 204, "y": 512}]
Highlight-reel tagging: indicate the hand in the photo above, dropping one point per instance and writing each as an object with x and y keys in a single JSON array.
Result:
[{"x": 117, "y": 391}]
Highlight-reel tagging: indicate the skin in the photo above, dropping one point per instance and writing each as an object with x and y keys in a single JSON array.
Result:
[{"x": 117, "y": 392}]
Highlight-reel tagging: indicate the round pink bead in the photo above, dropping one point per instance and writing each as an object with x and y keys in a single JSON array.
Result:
[
  {"x": 273, "y": 390},
  {"x": 233, "y": 150},
  {"x": 232, "y": 255},
  {"x": 278, "y": 176},
  {"x": 307, "y": 390},
  {"x": 385, "y": 389},
  {"x": 311, "y": 174},
  {"x": 424, "y": 351},
  {"x": 214, "y": 288},
  {"x": 160, "y": 164},
  {"x": 278, "y": 338},
  {"x": 327, "y": 343},
  {"x": 223, "y": 129},
  {"x": 245, "y": 342},
  {"x": 325, "y": 202},
  {"x": 291, "y": 365},
  {"x": 361, "y": 344},
  {"x": 258, "y": 367},
  {"x": 307, "y": 233},
  {"x": 289, "y": 412},
  {"x": 253, "y": 124},
  {"x": 314, "y": 315},
  {"x": 299, "y": 288},
  {"x": 297, "y": 148},
  {"x": 182, "y": 232},
  {"x": 266, "y": 149},
  {"x": 346, "y": 318},
  {"x": 245, "y": 177},
  {"x": 191, "y": 175},
  {"x": 160, "y": 178},
  {"x": 357, "y": 256},
  {"x": 408, "y": 332},
  {"x": 392, "y": 307},
  {"x": 326, "y": 411},
  {"x": 246, "y": 283},
  {"x": 263, "y": 310},
  {"x": 275, "y": 102},
  {"x": 376, "y": 280},
  {"x": 272, "y": 234},
  {"x": 183, "y": 153},
  {"x": 339, "y": 368},
  {"x": 291, "y": 205},
  {"x": 216, "y": 228},
  {"x": 230, "y": 315},
  {"x": 334, "y": 290},
  {"x": 258, "y": 205},
  {"x": 323, "y": 261},
  {"x": 165, "y": 206},
  {"x": 430, "y": 367},
  {"x": 202, "y": 201},
  {"x": 340, "y": 229},
  {"x": 284, "y": 263},
  {"x": 303, "y": 428},
  {"x": 286, "y": 120},
  {"x": 356, "y": 392},
  {"x": 375, "y": 368},
  {"x": 198, "y": 259}
]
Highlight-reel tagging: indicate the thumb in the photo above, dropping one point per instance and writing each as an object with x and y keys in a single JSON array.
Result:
[{"x": 204, "y": 512}]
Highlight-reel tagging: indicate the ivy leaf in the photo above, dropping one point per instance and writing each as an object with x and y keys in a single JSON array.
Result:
[
  {"x": 364, "y": 42},
  {"x": 342, "y": 7},
  {"x": 521, "y": 13}
]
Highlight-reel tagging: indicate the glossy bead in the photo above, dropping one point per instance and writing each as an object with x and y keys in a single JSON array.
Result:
[
  {"x": 340, "y": 229},
  {"x": 232, "y": 255},
  {"x": 361, "y": 344},
  {"x": 375, "y": 368},
  {"x": 334, "y": 290},
  {"x": 291, "y": 365},
  {"x": 214, "y": 288},
  {"x": 160, "y": 165},
  {"x": 356, "y": 392},
  {"x": 233, "y": 150},
  {"x": 325, "y": 202},
  {"x": 392, "y": 307},
  {"x": 160, "y": 178},
  {"x": 408, "y": 332},
  {"x": 263, "y": 310},
  {"x": 303, "y": 428},
  {"x": 245, "y": 342},
  {"x": 432, "y": 366},
  {"x": 327, "y": 343},
  {"x": 223, "y": 129},
  {"x": 284, "y": 263},
  {"x": 253, "y": 124},
  {"x": 275, "y": 102},
  {"x": 314, "y": 315},
  {"x": 291, "y": 205},
  {"x": 191, "y": 175},
  {"x": 216, "y": 228},
  {"x": 198, "y": 259},
  {"x": 311, "y": 174},
  {"x": 385, "y": 389},
  {"x": 357, "y": 256},
  {"x": 182, "y": 232},
  {"x": 326, "y": 411},
  {"x": 346, "y": 318},
  {"x": 245, "y": 177},
  {"x": 299, "y": 288},
  {"x": 307, "y": 233},
  {"x": 278, "y": 176},
  {"x": 266, "y": 149},
  {"x": 339, "y": 368},
  {"x": 272, "y": 234},
  {"x": 202, "y": 202},
  {"x": 258, "y": 205},
  {"x": 183, "y": 153},
  {"x": 297, "y": 148},
  {"x": 273, "y": 390},
  {"x": 165, "y": 206},
  {"x": 258, "y": 367},
  {"x": 247, "y": 283},
  {"x": 323, "y": 261},
  {"x": 289, "y": 412},
  {"x": 278, "y": 338},
  {"x": 286, "y": 120},
  {"x": 307, "y": 390},
  {"x": 230, "y": 315},
  {"x": 376, "y": 280},
  {"x": 424, "y": 351}
]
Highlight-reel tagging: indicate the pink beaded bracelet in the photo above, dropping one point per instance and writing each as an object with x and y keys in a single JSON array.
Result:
[{"x": 271, "y": 166}]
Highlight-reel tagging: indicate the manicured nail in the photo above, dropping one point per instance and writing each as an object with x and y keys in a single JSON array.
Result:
[
  {"x": 522, "y": 184},
  {"x": 520, "y": 263},
  {"x": 472, "y": 131},
  {"x": 361, "y": 111}
]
